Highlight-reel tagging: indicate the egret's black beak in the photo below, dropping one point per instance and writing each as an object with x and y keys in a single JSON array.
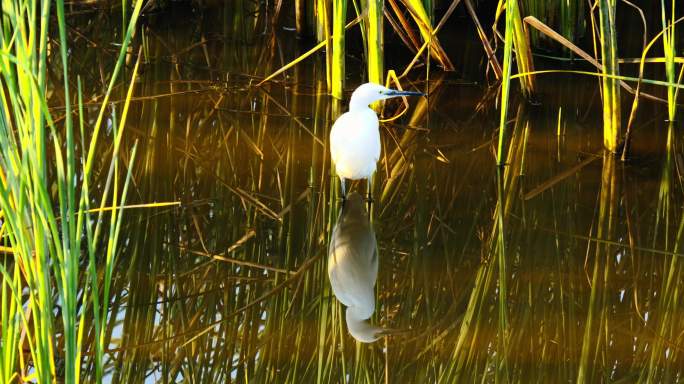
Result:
[{"x": 396, "y": 92}]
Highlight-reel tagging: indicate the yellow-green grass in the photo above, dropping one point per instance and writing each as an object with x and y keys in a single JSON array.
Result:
[{"x": 45, "y": 204}]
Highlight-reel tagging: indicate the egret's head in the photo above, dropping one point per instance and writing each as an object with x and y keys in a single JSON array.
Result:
[
  {"x": 361, "y": 329},
  {"x": 369, "y": 93}
]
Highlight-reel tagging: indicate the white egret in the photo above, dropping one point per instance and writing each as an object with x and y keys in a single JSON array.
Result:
[
  {"x": 355, "y": 135},
  {"x": 353, "y": 268}
]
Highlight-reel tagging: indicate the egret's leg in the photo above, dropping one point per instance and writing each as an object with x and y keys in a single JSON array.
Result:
[
  {"x": 369, "y": 189},
  {"x": 344, "y": 190}
]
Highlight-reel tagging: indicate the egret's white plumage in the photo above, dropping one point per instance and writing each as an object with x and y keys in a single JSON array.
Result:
[
  {"x": 353, "y": 268},
  {"x": 355, "y": 135},
  {"x": 355, "y": 144}
]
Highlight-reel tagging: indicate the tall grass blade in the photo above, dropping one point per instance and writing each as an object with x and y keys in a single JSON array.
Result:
[
  {"x": 338, "y": 49},
  {"x": 521, "y": 44},
  {"x": 375, "y": 40},
  {"x": 43, "y": 203},
  {"x": 505, "y": 83},
  {"x": 610, "y": 87},
  {"x": 422, "y": 19},
  {"x": 670, "y": 49}
]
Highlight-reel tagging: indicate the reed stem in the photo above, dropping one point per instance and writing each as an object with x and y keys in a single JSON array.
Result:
[
  {"x": 323, "y": 35},
  {"x": 669, "y": 47},
  {"x": 300, "y": 17},
  {"x": 610, "y": 86},
  {"x": 44, "y": 204},
  {"x": 523, "y": 52},
  {"x": 338, "y": 49},
  {"x": 506, "y": 82},
  {"x": 375, "y": 38}
]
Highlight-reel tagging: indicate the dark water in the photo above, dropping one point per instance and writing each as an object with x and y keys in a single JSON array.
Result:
[{"x": 232, "y": 285}]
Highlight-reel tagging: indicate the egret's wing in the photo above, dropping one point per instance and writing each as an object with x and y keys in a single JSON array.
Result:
[
  {"x": 373, "y": 271},
  {"x": 355, "y": 144},
  {"x": 337, "y": 137},
  {"x": 374, "y": 125},
  {"x": 352, "y": 276},
  {"x": 352, "y": 257},
  {"x": 377, "y": 147}
]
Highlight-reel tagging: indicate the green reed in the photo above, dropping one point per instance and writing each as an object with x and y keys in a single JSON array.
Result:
[
  {"x": 300, "y": 17},
  {"x": 539, "y": 9},
  {"x": 610, "y": 86},
  {"x": 375, "y": 41},
  {"x": 573, "y": 22},
  {"x": 422, "y": 18},
  {"x": 429, "y": 6},
  {"x": 658, "y": 366},
  {"x": 520, "y": 39},
  {"x": 670, "y": 50},
  {"x": 597, "y": 306},
  {"x": 523, "y": 52},
  {"x": 503, "y": 331},
  {"x": 566, "y": 16},
  {"x": 46, "y": 212},
  {"x": 337, "y": 65},
  {"x": 323, "y": 35},
  {"x": 480, "y": 311},
  {"x": 506, "y": 81}
]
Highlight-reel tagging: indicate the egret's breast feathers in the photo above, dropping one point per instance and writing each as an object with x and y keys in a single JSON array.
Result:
[{"x": 355, "y": 144}]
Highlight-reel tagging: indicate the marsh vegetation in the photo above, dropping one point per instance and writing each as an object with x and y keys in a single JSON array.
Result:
[{"x": 167, "y": 199}]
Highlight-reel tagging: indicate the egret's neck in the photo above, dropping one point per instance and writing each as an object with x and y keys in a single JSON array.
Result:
[{"x": 358, "y": 103}]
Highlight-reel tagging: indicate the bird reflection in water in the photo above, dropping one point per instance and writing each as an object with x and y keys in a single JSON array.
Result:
[{"x": 353, "y": 267}]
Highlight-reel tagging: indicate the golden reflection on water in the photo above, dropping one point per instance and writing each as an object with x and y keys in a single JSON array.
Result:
[
  {"x": 592, "y": 285},
  {"x": 353, "y": 267}
]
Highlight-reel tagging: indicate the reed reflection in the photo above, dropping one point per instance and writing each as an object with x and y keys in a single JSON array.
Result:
[{"x": 353, "y": 267}]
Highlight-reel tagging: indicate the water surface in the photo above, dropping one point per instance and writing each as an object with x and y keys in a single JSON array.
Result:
[{"x": 232, "y": 285}]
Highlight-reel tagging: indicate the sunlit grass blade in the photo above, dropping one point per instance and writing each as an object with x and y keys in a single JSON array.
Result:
[
  {"x": 596, "y": 314},
  {"x": 520, "y": 39},
  {"x": 433, "y": 34},
  {"x": 612, "y": 124},
  {"x": 491, "y": 57},
  {"x": 308, "y": 53},
  {"x": 670, "y": 49},
  {"x": 505, "y": 83},
  {"x": 534, "y": 22},
  {"x": 425, "y": 26},
  {"x": 338, "y": 48},
  {"x": 43, "y": 226},
  {"x": 375, "y": 40}
]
